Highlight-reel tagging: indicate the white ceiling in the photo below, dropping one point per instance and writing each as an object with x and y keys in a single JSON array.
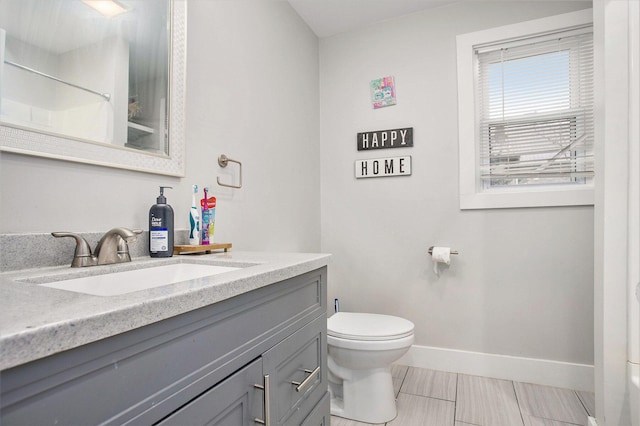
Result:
[
  {"x": 324, "y": 17},
  {"x": 330, "y": 17}
]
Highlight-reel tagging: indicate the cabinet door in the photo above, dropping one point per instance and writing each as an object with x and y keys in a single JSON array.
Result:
[
  {"x": 297, "y": 371},
  {"x": 235, "y": 401}
]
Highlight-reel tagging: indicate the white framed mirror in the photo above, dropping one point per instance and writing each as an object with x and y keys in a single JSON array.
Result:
[{"x": 115, "y": 98}]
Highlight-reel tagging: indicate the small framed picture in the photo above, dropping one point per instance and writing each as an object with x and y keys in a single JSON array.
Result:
[{"x": 383, "y": 92}]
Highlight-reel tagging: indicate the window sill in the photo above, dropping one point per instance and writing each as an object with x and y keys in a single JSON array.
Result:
[{"x": 527, "y": 197}]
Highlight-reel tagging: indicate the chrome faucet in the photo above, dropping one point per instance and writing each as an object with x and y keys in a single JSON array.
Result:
[{"x": 113, "y": 247}]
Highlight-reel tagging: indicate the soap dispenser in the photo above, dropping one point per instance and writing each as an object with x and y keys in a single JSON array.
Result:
[{"x": 161, "y": 227}]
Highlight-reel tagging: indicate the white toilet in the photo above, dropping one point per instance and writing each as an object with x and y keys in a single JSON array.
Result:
[{"x": 361, "y": 350}]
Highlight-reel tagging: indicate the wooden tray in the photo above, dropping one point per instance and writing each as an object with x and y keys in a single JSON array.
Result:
[{"x": 188, "y": 249}]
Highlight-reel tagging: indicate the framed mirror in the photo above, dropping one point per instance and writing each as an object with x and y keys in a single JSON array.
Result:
[{"x": 79, "y": 85}]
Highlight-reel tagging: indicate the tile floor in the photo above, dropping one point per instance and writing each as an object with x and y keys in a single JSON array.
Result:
[{"x": 437, "y": 398}]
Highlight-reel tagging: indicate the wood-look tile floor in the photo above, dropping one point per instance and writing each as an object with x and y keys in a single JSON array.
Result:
[{"x": 437, "y": 398}]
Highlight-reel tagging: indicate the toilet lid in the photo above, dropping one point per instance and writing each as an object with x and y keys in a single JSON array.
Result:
[{"x": 361, "y": 326}]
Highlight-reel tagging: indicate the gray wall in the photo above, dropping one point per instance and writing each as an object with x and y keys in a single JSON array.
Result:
[
  {"x": 252, "y": 94},
  {"x": 523, "y": 282}
]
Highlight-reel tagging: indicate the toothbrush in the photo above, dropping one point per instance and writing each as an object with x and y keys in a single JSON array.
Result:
[
  {"x": 194, "y": 220},
  {"x": 205, "y": 219}
]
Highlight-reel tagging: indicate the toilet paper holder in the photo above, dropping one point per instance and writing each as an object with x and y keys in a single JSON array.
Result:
[{"x": 452, "y": 251}]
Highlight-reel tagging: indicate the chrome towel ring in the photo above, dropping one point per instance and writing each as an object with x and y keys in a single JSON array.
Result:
[{"x": 223, "y": 160}]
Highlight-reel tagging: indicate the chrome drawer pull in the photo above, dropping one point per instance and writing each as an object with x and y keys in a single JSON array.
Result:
[
  {"x": 309, "y": 379},
  {"x": 267, "y": 402}
]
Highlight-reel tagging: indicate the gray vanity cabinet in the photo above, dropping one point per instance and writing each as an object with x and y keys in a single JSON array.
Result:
[{"x": 208, "y": 366}]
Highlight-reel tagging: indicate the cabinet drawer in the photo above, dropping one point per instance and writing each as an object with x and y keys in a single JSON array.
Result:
[
  {"x": 297, "y": 369},
  {"x": 320, "y": 416}
]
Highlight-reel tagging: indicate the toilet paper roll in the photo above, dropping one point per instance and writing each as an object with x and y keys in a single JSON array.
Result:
[{"x": 440, "y": 255}]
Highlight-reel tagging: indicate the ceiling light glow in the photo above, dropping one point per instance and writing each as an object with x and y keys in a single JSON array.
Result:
[{"x": 108, "y": 8}]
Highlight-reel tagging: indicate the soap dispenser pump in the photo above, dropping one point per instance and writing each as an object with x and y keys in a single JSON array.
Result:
[{"x": 161, "y": 227}]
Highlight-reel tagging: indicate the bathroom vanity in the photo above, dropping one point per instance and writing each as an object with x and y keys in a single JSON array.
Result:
[{"x": 243, "y": 347}]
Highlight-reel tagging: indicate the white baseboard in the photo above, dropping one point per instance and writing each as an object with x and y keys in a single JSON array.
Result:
[{"x": 529, "y": 370}]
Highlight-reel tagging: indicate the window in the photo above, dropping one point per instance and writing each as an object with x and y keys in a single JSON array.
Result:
[{"x": 526, "y": 114}]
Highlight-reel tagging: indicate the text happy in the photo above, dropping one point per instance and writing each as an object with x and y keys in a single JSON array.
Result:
[{"x": 394, "y": 138}]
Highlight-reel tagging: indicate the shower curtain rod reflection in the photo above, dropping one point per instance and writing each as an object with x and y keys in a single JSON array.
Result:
[{"x": 106, "y": 96}]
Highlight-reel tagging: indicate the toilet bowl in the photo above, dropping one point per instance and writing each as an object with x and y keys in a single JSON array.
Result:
[{"x": 361, "y": 349}]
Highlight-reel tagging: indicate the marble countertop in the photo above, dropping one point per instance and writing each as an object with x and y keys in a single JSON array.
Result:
[{"x": 38, "y": 321}]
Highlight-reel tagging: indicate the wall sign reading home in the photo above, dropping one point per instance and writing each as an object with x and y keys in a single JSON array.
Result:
[
  {"x": 379, "y": 167},
  {"x": 394, "y": 138}
]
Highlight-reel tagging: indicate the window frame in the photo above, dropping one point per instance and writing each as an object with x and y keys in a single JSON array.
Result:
[{"x": 473, "y": 195}]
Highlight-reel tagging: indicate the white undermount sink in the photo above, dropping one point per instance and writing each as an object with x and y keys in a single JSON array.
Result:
[{"x": 117, "y": 283}]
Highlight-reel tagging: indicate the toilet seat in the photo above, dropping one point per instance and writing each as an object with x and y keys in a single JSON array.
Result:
[{"x": 368, "y": 327}]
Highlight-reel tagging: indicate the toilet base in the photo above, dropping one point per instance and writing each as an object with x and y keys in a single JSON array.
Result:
[{"x": 367, "y": 396}]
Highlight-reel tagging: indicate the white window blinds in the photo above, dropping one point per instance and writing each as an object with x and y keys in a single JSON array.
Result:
[{"x": 535, "y": 110}]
